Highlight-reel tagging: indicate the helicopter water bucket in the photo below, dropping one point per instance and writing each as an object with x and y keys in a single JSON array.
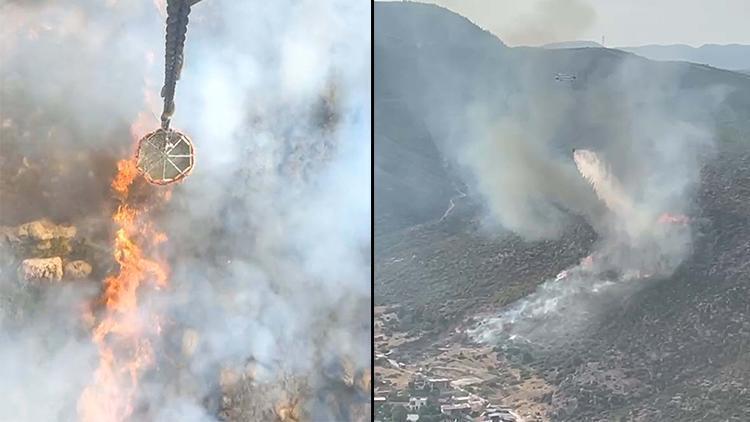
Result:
[{"x": 165, "y": 156}]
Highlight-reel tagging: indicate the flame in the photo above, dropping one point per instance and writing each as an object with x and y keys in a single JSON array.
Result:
[
  {"x": 122, "y": 335},
  {"x": 668, "y": 218},
  {"x": 126, "y": 173},
  {"x": 123, "y": 332}
]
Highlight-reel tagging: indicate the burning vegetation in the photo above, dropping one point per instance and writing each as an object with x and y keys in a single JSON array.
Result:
[
  {"x": 132, "y": 337},
  {"x": 241, "y": 294},
  {"x": 122, "y": 334}
]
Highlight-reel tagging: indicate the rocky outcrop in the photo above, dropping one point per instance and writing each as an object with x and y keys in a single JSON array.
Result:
[
  {"x": 38, "y": 239},
  {"x": 50, "y": 269},
  {"x": 78, "y": 269},
  {"x": 43, "y": 251},
  {"x": 44, "y": 230}
]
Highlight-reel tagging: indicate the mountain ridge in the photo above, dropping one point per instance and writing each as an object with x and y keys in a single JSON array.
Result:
[{"x": 668, "y": 351}]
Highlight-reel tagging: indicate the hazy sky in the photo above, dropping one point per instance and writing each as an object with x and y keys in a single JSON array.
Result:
[{"x": 622, "y": 22}]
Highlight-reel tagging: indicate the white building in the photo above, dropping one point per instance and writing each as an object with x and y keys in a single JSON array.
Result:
[{"x": 416, "y": 403}]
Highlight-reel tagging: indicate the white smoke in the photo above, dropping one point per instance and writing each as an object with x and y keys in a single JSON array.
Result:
[
  {"x": 529, "y": 22},
  {"x": 649, "y": 148},
  {"x": 637, "y": 246}
]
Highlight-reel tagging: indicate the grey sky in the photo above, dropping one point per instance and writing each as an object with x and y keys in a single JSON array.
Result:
[{"x": 622, "y": 22}]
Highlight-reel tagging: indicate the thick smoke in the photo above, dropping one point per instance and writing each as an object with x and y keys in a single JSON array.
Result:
[
  {"x": 268, "y": 238},
  {"x": 523, "y": 181},
  {"x": 509, "y": 118},
  {"x": 649, "y": 131},
  {"x": 552, "y": 21},
  {"x": 647, "y": 134},
  {"x": 533, "y": 22}
]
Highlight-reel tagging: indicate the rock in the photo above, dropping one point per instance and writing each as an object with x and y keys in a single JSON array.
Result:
[
  {"x": 251, "y": 370},
  {"x": 39, "y": 239},
  {"x": 228, "y": 378},
  {"x": 8, "y": 233},
  {"x": 364, "y": 381},
  {"x": 77, "y": 269},
  {"x": 287, "y": 410},
  {"x": 35, "y": 230},
  {"x": 347, "y": 377},
  {"x": 342, "y": 370},
  {"x": 41, "y": 269},
  {"x": 41, "y": 230}
]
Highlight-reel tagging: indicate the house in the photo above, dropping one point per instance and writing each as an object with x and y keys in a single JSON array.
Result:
[
  {"x": 502, "y": 416},
  {"x": 476, "y": 403},
  {"x": 439, "y": 383},
  {"x": 419, "y": 384},
  {"x": 382, "y": 392},
  {"x": 455, "y": 410},
  {"x": 445, "y": 398},
  {"x": 416, "y": 403},
  {"x": 398, "y": 401},
  {"x": 498, "y": 414},
  {"x": 448, "y": 393},
  {"x": 461, "y": 399}
]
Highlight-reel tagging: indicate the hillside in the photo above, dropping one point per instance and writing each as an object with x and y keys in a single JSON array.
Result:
[
  {"x": 573, "y": 44},
  {"x": 735, "y": 57},
  {"x": 672, "y": 350},
  {"x": 425, "y": 76},
  {"x": 730, "y": 57}
]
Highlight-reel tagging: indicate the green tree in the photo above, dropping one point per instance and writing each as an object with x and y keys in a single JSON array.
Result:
[{"x": 398, "y": 414}]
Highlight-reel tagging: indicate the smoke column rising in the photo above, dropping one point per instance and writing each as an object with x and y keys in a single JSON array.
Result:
[
  {"x": 567, "y": 304},
  {"x": 650, "y": 133}
]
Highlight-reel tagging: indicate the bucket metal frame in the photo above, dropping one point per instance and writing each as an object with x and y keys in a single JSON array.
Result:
[{"x": 165, "y": 156}]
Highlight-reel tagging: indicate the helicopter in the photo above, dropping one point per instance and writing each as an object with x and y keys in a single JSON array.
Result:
[{"x": 565, "y": 77}]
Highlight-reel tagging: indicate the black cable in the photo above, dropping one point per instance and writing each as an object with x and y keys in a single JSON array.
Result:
[{"x": 177, "y": 22}]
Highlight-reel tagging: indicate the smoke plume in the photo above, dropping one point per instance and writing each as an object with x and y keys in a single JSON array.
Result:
[
  {"x": 647, "y": 136},
  {"x": 641, "y": 132},
  {"x": 533, "y": 22}
]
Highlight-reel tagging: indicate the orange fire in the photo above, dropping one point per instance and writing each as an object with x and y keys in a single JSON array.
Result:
[
  {"x": 126, "y": 173},
  {"x": 668, "y": 218},
  {"x": 123, "y": 332}
]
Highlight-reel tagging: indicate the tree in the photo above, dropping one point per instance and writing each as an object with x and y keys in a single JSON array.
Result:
[{"x": 398, "y": 414}]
